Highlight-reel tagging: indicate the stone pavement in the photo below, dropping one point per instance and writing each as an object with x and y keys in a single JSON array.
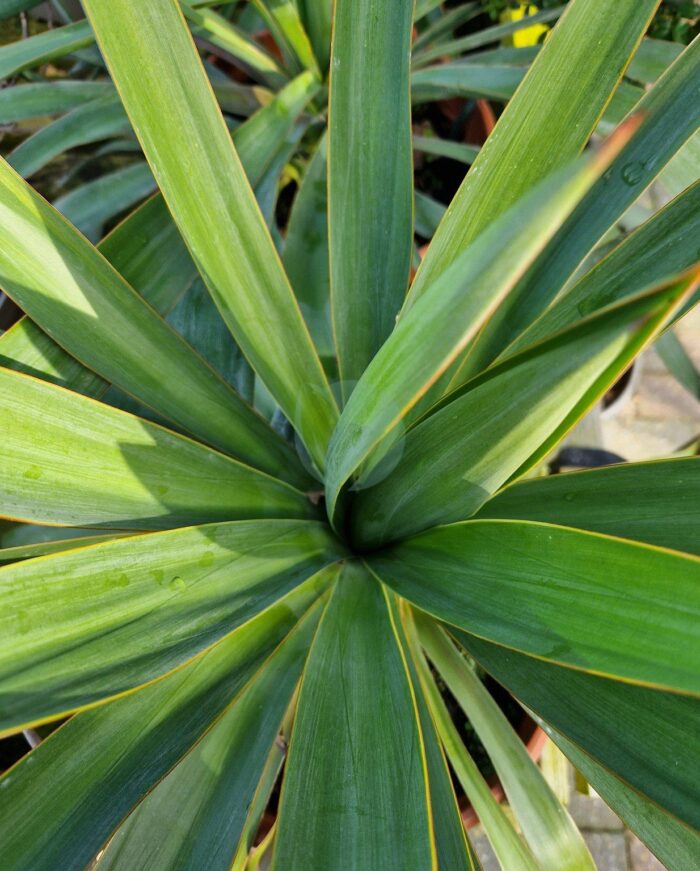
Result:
[{"x": 613, "y": 847}]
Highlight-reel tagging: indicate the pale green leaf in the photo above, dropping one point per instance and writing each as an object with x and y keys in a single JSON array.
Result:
[{"x": 172, "y": 109}]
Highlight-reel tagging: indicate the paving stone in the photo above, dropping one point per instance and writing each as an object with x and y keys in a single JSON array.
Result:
[
  {"x": 483, "y": 849},
  {"x": 640, "y": 858},
  {"x": 591, "y": 812},
  {"x": 608, "y": 849}
]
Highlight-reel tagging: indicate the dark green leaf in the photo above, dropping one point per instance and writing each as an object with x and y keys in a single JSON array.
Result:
[{"x": 355, "y": 793}]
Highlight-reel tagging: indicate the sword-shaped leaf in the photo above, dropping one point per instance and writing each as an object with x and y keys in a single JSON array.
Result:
[
  {"x": 645, "y": 737},
  {"x": 370, "y": 179},
  {"x": 70, "y": 461},
  {"x": 355, "y": 793},
  {"x": 452, "y": 312},
  {"x": 85, "y": 305},
  {"x": 100, "y": 119},
  {"x": 195, "y": 817},
  {"x": 593, "y": 603},
  {"x": 165, "y": 91},
  {"x": 105, "y": 761},
  {"x": 655, "y": 502},
  {"x": 87, "y": 625},
  {"x": 453, "y": 460},
  {"x": 23, "y": 53}
]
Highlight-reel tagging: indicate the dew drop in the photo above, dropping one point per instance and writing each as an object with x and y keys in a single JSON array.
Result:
[
  {"x": 632, "y": 173},
  {"x": 177, "y": 585},
  {"x": 207, "y": 559},
  {"x": 33, "y": 473}
]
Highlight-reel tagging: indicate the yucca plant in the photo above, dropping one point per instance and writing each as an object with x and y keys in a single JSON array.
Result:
[{"x": 216, "y": 587}]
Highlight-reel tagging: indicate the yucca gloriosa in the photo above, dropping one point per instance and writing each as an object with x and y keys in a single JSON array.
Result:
[{"x": 225, "y": 601}]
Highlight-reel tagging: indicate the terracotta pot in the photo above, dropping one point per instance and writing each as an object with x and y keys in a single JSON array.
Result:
[
  {"x": 534, "y": 739},
  {"x": 479, "y": 124}
]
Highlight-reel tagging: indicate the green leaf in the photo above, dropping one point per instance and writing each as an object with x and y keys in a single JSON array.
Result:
[
  {"x": 428, "y": 214},
  {"x": 452, "y": 461},
  {"x": 317, "y": 17},
  {"x": 654, "y": 502},
  {"x": 33, "y": 100},
  {"x": 488, "y": 35},
  {"x": 552, "y": 116},
  {"x": 100, "y": 119},
  {"x": 550, "y": 832},
  {"x": 676, "y": 845},
  {"x": 148, "y": 251},
  {"x": 511, "y": 852},
  {"x": 44, "y": 47},
  {"x": 102, "y": 762},
  {"x": 446, "y": 148},
  {"x": 666, "y": 123},
  {"x": 645, "y": 737},
  {"x": 355, "y": 792},
  {"x": 465, "y": 80},
  {"x": 258, "y": 140},
  {"x": 285, "y": 22},
  {"x": 446, "y": 23},
  {"x": 198, "y": 321},
  {"x": 434, "y": 332},
  {"x": 594, "y": 603},
  {"x": 452, "y": 848},
  {"x": 651, "y": 60},
  {"x": 214, "y": 28},
  {"x": 64, "y": 285},
  {"x": 87, "y": 625},
  {"x": 70, "y": 461},
  {"x": 165, "y": 91},
  {"x": 90, "y": 206},
  {"x": 663, "y": 246},
  {"x": 66, "y": 539},
  {"x": 195, "y": 817},
  {"x": 306, "y": 252},
  {"x": 370, "y": 179},
  {"x": 679, "y": 362}
]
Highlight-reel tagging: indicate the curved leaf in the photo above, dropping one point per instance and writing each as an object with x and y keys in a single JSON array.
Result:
[
  {"x": 70, "y": 461},
  {"x": 166, "y": 94},
  {"x": 645, "y": 737},
  {"x": 90, "y": 206},
  {"x": 465, "y": 80},
  {"x": 654, "y": 502},
  {"x": 195, "y": 816},
  {"x": 598, "y": 604},
  {"x": 69, "y": 289},
  {"x": 39, "y": 49},
  {"x": 35, "y": 99},
  {"x": 102, "y": 762},
  {"x": 92, "y": 122},
  {"x": 87, "y": 625}
]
